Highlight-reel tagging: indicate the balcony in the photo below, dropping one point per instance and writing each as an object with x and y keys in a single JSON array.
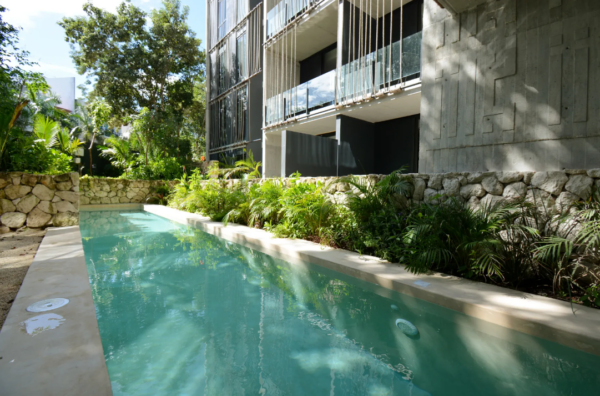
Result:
[
  {"x": 285, "y": 12},
  {"x": 373, "y": 72},
  {"x": 302, "y": 99}
]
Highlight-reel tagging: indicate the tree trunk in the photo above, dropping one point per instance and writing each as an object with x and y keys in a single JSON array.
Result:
[{"x": 90, "y": 151}]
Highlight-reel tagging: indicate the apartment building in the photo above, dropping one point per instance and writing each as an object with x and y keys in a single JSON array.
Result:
[{"x": 368, "y": 86}]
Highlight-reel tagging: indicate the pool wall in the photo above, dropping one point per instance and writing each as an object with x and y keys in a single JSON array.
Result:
[{"x": 574, "y": 326}]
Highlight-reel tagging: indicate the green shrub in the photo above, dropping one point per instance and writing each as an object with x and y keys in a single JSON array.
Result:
[
  {"x": 26, "y": 154},
  {"x": 216, "y": 199},
  {"x": 378, "y": 213},
  {"x": 158, "y": 169},
  {"x": 518, "y": 245},
  {"x": 305, "y": 211}
]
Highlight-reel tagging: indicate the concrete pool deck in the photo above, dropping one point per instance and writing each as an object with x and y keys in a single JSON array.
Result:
[
  {"x": 67, "y": 359},
  {"x": 574, "y": 326}
]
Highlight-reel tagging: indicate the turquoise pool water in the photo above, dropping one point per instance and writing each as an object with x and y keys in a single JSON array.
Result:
[{"x": 182, "y": 312}]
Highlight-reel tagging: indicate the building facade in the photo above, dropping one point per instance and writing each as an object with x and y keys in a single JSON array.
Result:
[{"x": 369, "y": 86}]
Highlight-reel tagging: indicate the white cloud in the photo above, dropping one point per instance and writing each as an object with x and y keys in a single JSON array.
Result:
[
  {"x": 50, "y": 70},
  {"x": 23, "y": 12}
]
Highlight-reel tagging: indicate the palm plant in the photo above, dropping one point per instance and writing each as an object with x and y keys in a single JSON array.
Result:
[
  {"x": 573, "y": 254},
  {"x": 457, "y": 239},
  {"x": 246, "y": 168},
  {"x": 67, "y": 142},
  {"x": 117, "y": 151},
  {"x": 265, "y": 207},
  {"x": 45, "y": 130},
  {"x": 369, "y": 197}
]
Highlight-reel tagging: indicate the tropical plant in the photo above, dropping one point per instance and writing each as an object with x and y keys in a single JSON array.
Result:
[
  {"x": 100, "y": 112},
  {"x": 118, "y": 151},
  {"x": 67, "y": 142},
  {"x": 45, "y": 130},
  {"x": 246, "y": 168},
  {"x": 454, "y": 238},
  {"x": 217, "y": 198},
  {"x": 572, "y": 255},
  {"x": 305, "y": 210},
  {"x": 142, "y": 60}
]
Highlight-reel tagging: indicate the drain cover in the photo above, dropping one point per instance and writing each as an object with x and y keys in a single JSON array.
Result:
[
  {"x": 47, "y": 305},
  {"x": 406, "y": 327}
]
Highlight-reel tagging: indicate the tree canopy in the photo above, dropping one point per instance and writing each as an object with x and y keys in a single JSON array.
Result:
[{"x": 136, "y": 63}]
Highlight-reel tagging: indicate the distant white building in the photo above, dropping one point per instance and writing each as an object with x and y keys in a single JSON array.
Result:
[{"x": 64, "y": 87}]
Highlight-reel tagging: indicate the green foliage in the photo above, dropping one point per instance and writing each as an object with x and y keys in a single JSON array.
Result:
[
  {"x": 572, "y": 253},
  {"x": 216, "y": 199},
  {"x": 30, "y": 155},
  {"x": 150, "y": 70},
  {"x": 118, "y": 151},
  {"x": 45, "y": 130},
  {"x": 453, "y": 238},
  {"x": 67, "y": 142},
  {"x": 518, "y": 245},
  {"x": 246, "y": 168},
  {"x": 305, "y": 210},
  {"x": 160, "y": 168}
]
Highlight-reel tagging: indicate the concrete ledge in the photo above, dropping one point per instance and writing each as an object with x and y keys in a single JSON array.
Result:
[
  {"x": 66, "y": 360},
  {"x": 542, "y": 317},
  {"x": 100, "y": 207}
]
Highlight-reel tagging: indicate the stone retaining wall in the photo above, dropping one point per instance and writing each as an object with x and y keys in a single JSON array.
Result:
[
  {"x": 38, "y": 201},
  {"x": 114, "y": 191},
  {"x": 553, "y": 190}
]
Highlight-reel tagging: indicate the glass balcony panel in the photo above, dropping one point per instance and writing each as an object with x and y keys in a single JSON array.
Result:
[
  {"x": 284, "y": 12},
  {"x": 411, "y": 57},
  {"x": 321, "y": 90}
]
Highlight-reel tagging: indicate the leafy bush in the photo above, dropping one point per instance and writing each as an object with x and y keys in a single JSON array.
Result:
[
  {"x": 216, "y": 199},
  {"x": 158, "y": 169},
  {"x": 305, "y": 211},
  {"x": 378, "y": 214},
  {"x": 518, "y": 245},
  {"x": 26, "y": 154}
]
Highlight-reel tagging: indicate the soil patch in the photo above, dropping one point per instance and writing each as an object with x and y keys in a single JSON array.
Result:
[{"x": 17, "y": 250}]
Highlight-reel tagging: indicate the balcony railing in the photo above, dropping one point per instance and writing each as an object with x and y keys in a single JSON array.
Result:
[
  {"x": 371, "y": 73},
  {"x": 284, "y": 12},
  {"x": 302, "y": 99}
]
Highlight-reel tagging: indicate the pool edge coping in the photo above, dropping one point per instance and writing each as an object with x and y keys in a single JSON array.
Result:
[{"x": 69, "y": 359}]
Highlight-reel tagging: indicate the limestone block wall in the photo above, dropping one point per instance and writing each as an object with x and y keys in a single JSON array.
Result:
[
  {"x": 511, "y": 85},
  {"x": 115, "y": 191},
  {"x": 38, "y": 201},
  {"x": 553, "y": 190}
]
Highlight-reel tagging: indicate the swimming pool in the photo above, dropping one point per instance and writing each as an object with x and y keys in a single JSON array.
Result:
[{"x": 182, "y": 312}]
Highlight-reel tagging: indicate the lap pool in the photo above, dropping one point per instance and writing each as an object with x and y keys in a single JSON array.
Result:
[{"x": 183, "y": 312}]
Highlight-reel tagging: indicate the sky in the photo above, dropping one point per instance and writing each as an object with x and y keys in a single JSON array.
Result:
[{"x": 45, "y": 40}]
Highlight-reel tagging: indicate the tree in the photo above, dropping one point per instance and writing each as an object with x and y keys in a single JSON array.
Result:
[
  {"x": 136, "y": 66},
  {"x": 14, "y": 82},
  {"x": 100, "y": 112}
]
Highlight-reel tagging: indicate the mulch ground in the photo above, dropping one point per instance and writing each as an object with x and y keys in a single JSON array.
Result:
[{"x": 17, "y": 250}]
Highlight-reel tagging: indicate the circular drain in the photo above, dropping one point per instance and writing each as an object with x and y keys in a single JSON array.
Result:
[
  {"x": 406, "y": 327},
  {"x": 47, "y": 305}
]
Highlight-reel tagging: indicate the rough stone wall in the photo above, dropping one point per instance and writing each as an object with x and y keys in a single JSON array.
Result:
[
  {"x": 511, "y": 85},
  {"x": 38, "y": 201},
  {"x": 115, "y": 191},
  {"x": 553, "y": 190}
]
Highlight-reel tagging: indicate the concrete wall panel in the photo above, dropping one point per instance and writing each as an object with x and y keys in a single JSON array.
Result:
[{"x": 512, "y": 85}]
